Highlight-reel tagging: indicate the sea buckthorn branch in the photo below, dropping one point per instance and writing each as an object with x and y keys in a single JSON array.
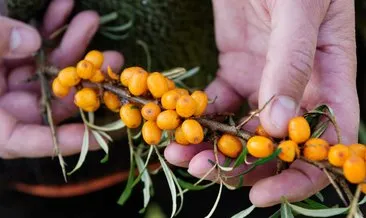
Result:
[{"x": 150, "y": 102}]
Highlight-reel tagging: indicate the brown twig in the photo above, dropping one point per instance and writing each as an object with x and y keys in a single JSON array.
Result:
[
  {"x": 324, "y": 165},
  {"x": 354, "y": 203},
  {"x": 332, "y": 179}
]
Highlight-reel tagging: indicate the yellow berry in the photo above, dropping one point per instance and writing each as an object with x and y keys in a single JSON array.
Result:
[
  {"x": 130, "y": 115},
  {"x": 193, "y": 131},
  {"x": 127, "y": 74},
  {"x": 180, "y": 138},
  {"x": 358, "y": 149},
  {"x": 289, "y": 150},
  {"x": 112, "y": 74},
  {"x": 186, "y": 106},
  {"x": 260, "y": 147},
  {"x": 137, "y": 84},
  {"x": 151, "y": 133},
  {"x": 68, "y": 77},
  {"x": 201, "y": 100},
  {"x": 299, "y": 130},
  {"x": 338, "y": 154},
  {"x": 150, "y": 111},
  {"x": 316, "y": 149},
  {"x": 95, "y": 57},
  {"x": 230, "y": 145},
  {"x": 168, "y": 120},
  {"x": 171, "y": 84},
  {"x": 261, "y": 132},
  {"x": 59, "y": 90},
  {"x": 182, "y": 91},
  {"x": 157, "y": 84},
  {"x": 98, "y": 77},
  {"x": 169, "y": 99},
  {"x": 85, "y": 69},
  {"x": 112, "y": 101},
  {"x": 87, "y": 99},
  {"x": 354, "y": 169}
]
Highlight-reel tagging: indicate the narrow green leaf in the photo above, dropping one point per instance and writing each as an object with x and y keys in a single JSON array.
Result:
[
  {"x": 315, "y": 205},
  {"x": 286, "y": 210},
  {"x": 227, "y": 162},
  {"x": 91, "y": 117},
  {"x": 318, "y": 212},
  {"x": 276, "y": 214},
  {"x": 191, "y": 186},
  {"x": 114, "y": 36},
  {"x": 320, "y": 129},
  {"x": 240, "y": 160},
  {"x": 119, "y": 28},
  {"x": 102, "y": 144},
  {"x": 180, "y": 193},
  {"x": 128, "y": 189},
  {"x": 188, "y": 74},
  {"x": 83, "y": 152},
  {"x": 362, "y": 201},
  {"x": 244, "y": 213},
  {"x": 105, "y": 135},
  {"x": 171, "y": 184},
  {"x": 216, "y": 201},
  {"x": 145, "y": 178},
  {"x": 262, "y": 161},
  {"x": 320, "y": 196},
  {"x": 241, "y": 181},
  {"x": 362, "y": 132}
]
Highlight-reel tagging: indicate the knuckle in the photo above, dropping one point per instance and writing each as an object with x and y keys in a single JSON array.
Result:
[{"x": 299, "y": 67}]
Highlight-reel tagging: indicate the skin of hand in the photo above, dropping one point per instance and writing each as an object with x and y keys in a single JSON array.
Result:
[
  {"x": 303, "y": 53},
  {"x": 22, "y": 133}
]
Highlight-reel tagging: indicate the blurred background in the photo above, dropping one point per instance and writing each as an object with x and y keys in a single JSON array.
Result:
[{"x": 178, "y": 34}]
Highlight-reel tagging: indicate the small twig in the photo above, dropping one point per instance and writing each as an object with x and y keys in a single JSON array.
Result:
[
  {"x": 324, "y": 165},
  {"x": 217, "y": 126},
  {"x": 254, "y": 114},
  {"x": 354, "y": 203},
  {"x": 345, "y": 187},
  {"x": 332, "y": 179}
]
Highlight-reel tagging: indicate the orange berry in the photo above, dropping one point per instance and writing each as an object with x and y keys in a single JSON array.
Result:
[
  {"x": 169, "y": 99},
  {"x": 130, "y": 115},
  {"x": 95, "y": 57},
  {"x": 363, "y": 188},
  {"x": 289, "y": 150},
  {"x": 171, "y": 84},
  {"x": 127, "y": 74},
  {"x": 59, "y": 90},
  {"x": 168, "y": 120},
  {"x": 180, "y": 137},
  {"x": 230, "y": 145},
  {"x": 261, "y": 132},
  {"x": 150, "y": 111},
  {"x": 151, "y": 133},
  {"x": 112, "y": 74},
  {"x": 202, "y": 100},
  {"x": 68, "y": 77},
  {"x": 193, "y": 131},
  {"x": 354, "y": 169},
  {"x": 358, "y": 149},
  {"x": 85, "y": 69},
  {"x": 157, "y": 84},
  {"x": 98, "y": 77},
  {"x": 138, "y": 83},
  {"x": 182, "y": 91},
  {"x": 299, "y": 129},
  {"x": 316, "y": 149},
  {"x": 259, "y": 146},
  {"x": 338, "y": 154},
  {"x": 186, "y": 106},
  {"x": 87, "y": 99},
  {"x": 112, "y": 101}
]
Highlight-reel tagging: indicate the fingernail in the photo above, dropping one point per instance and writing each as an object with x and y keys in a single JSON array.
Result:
[
  {"x": 282, "y": 110},
  {"x": 23, "y": 41}
]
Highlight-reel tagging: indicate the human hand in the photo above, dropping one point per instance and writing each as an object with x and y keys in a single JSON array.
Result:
[
  {"x": 22, "y": 133},
  {"x": 301, "y": 52}
]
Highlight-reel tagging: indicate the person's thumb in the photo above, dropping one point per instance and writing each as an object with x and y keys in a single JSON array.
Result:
[
  {"x": 290, "y": 57},
  {"x": 17, "y": 39}
]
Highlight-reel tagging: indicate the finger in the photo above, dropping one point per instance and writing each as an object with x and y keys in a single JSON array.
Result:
[
  {"x": 290, "y": 60},
  {"x": 181, "y": 155},
  {"x": 297, "y": 183},
  {"x": 226, "y": 98},
  {"x": 3, "y": 85},
  {"x": 28, "y": 140},
  {"x": 56, "y": 15},
  {"x": 113, "y": 59},
  {"x": 76, "y": 39},
  {"x": 17, "y": 39},
  {"x": 199, "y": 166},
  {"x": 18, "y": 80},
  {"x": 335, "y": 80}
]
